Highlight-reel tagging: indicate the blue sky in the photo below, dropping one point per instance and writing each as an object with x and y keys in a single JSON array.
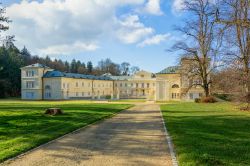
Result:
[{"x": 136, "y": 31}]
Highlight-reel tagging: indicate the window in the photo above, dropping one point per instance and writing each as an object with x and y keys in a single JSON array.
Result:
[
  {"x": 82, "y": 93},
  {"x": 142, "y": 85},
  {"x": 200, "y": 94},
  {"x": 89, "y": 93},
  {"x": 76, "y": 94},
  {"x": 82, "y": 84},
  {"x": 191, "y": 96},
  {"x": 68, "y": 85},
  {"x": 76, "y": 84},
  {"x": 197, "y": 82},
  {"x": 48, "y": 95},
  {"x": 30, "y": 73},
  {"x": 175, "y": 95},
  {"x": 47, "y": 87},
  {"x": 29, "y": 95},
  {"x": 131, "y": 84},
  {"x": 175, "y": 86},
  {"x": 30, "y": 84},
  {"x": 137, "y": 85},
  {"x": 147, "y": 85},
  {"x": 64, "y": 85},
  {"x": 120, "y": 84},
  {"x": 126, "y": 85}
]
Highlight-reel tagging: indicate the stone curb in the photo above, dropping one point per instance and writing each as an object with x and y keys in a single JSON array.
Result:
[{"x": 170, "y": 144}]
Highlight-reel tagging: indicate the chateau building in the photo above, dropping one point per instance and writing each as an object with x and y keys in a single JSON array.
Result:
[{"x": 40, "y": 82}]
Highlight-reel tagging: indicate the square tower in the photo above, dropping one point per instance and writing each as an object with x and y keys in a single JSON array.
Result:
[{"x": 32, "y": 81}]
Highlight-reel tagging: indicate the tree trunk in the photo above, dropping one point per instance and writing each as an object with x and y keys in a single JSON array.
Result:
[{"x": 207, "y": 90}]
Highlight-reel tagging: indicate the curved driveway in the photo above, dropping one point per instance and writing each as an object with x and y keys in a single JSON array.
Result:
[{"x": 133, "y": 137}]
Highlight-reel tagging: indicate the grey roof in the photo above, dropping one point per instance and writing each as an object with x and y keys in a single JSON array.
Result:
[
  {"x": 170, "y": 70},
  {"x": 37, "y": 65},
  {"x": 120, "y": 77},
  {"x": 55, "y": 73}
]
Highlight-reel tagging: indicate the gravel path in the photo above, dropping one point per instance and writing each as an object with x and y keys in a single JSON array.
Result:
[{"x": 133, "y": 137}]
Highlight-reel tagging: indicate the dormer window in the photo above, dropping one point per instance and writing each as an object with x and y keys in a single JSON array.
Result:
[{"x": 142, "y": 76}]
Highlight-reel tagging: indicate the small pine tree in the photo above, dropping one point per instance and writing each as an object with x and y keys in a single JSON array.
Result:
[{"x": 89, "y": 67}]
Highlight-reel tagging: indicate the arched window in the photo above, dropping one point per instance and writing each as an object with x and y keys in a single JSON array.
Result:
[
  {"x": 47, "y": 87},
  {"x": 175, "y": 86}
]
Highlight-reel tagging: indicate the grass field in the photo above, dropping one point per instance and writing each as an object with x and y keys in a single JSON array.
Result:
[
  {"x": 24, "y": 126},
  {"x": 209, "y": 134},
  {"x": 129, "y": 100}
]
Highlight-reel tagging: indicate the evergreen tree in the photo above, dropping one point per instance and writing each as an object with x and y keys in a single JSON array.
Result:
[
  {"x": 26, "y": 55},
  {"x": 66, "y": 66},
  {"x": 89, "y": 67},
  {"x": 73, "y": 66}
]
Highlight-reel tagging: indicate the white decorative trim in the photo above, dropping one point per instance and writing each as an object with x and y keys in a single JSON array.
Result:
[{"x": 170, "y": 144}]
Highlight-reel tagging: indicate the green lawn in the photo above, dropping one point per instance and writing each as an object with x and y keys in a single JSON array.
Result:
[
  {"x": 209, "y": 134},
  {"x": 129, "y": 100},
  {"x": 24, "y": 126}
]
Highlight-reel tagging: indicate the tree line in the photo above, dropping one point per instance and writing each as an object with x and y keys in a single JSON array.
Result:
[{"x": 12, "y": 59}]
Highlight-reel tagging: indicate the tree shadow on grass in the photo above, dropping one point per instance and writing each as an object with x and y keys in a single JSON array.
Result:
[
  {"x": 133, "y": 137},
  {"x": 26, "y": 128}
]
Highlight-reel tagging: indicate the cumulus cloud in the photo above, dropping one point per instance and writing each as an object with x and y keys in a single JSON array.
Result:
[
  {"x": 152, "y": 7},
  {"x": 60, "y": 26},
  {"x": 178, "y": 5},
  {"x": 66, "y": 49},
  {"x": 132, "y": 30},
  {"x": 156, "y": 39}
]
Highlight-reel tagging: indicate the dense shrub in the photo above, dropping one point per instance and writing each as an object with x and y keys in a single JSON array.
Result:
[
  {"x": 225, "y": 97},
  {"x": 197, "y": 100},
  {"x": 108, "y": 97},
  {"x": 209, "y": 99}
]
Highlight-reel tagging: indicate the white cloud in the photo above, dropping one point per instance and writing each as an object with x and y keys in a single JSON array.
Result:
[
  {"x": 66, "y": 49},
  {"x": 156, "y": 39},
  {"x": 53, "y": 25},
  {"x": 132, "y": 30},
  {"x": 153, "y": 7},
  {"x": 178, "y": 5}
]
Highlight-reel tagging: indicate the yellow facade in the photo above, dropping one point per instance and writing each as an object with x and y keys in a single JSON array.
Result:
[{"x": 42, "y": 83}]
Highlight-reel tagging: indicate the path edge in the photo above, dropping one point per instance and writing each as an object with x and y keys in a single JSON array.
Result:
[{"x": 170, "y": 143}]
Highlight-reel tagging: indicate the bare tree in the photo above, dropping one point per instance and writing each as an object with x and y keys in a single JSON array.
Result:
[
  {"x": 235, "y": 16},
  {"x": 201, "y": 45},
  {"x": 124, "y": 67}
]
